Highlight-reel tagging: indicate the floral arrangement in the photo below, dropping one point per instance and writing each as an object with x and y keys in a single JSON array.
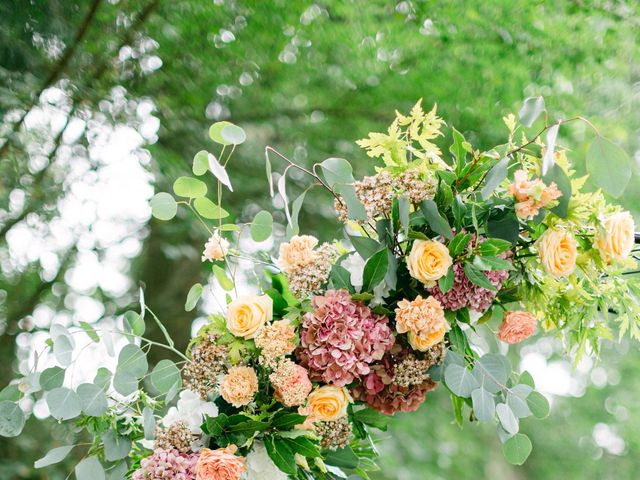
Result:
[{"x": 446, "y": 260}]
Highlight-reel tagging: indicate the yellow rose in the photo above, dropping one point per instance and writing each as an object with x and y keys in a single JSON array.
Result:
[
  {"x": 617, "y": 237},
  {"x": 428, "y": 261},
  {"x": 424, "y": 341},
  {"x": 558, "y": 251},
  {"x": 328, "y": 403},
  {"x": 246, "y": 315}
]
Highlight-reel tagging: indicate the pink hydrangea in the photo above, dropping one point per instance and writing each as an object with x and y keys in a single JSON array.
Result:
[
  {"x": 341, "y": 338},
  {"x": 380, "y": 392},
  {"x": 167, "y": 464},
  {"x": 465, "y": 293}
]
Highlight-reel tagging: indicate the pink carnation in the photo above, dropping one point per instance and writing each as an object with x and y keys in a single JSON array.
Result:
[
  {"x": 167, "y": 464},
  {"x": 379, "y": 391},
  {"x": 517, "y": 326},
  {"x": 341, "y": 338},
  {"x": 291, "y": 383},
  {"x": 465, "y": 293}
]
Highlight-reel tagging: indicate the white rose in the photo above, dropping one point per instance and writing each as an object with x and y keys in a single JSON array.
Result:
[{"x": 191, "y": 410}]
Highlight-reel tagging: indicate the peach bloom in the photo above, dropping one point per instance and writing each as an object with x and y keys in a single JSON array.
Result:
[
  {"x": 549, "y": 194},
  {"x": 424, "y": 341},
  {"x": 247, "y": 315},
  {"x": 521, "y": 186},
  {"x": 526, "y": 209},
  {"x": 291, "y": 383},
  {"x": 616, "y": 238},
  {"x": 326, "y": 404},
  {"x": 558, "y": 252},
  {"x": 297, "y": 253},
  {"x": 239, "y": 386},
  {"x": 276, "y": 339},
  {"x": 428, "y": 261},
  {"x": 517, "y": 326},
  {"x": 216, "y": 248},
  {"x": 420, "y": 316},
  {"x": 220, "y": 464}
]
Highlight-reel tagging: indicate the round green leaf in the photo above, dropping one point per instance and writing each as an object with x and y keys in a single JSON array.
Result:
[
  {"x": 102, "y": 378},
  {"x": 11, "y": 419},
  {"x": 507, "y": 418},
  {"x": 53, "y": 456},
  {"x": 538, "y": 404},
  {"x": 63, "y": 403},
  {"x": 63, "y": 350},
  {"x": 149, "y": 423},
  {"x": 261, "y": 226},
  {"x": 491, "y": 371},
  {"x": 608, "y": 166},
  {"x": 90, "y": 469},
  {"x": 125, "y": 383},
  {"x": 200, "y": 163},
  {"x": 517, "y": 449},
  {"x": 484, "y": 405},
  {"x": 460, "y": 380},
  {"x": 92, "y": 399},
  {"x": 163, "y": 206},
  {"x": 52, "y": 378},
  {"x": 132, "y": 360},
  {"x": 224, "y": 281},
  {"x": 134, "y": 323},
  {"x": 193, "y": 296},
  {"x": 189, "y": 187},
  {"x": 115, "y": 446},
  {"x": 165, "y": 375},
  {"x": 208, "y": 209},
  {"x": 215, "y": 132},
  {"x": 233, "y": 134}
]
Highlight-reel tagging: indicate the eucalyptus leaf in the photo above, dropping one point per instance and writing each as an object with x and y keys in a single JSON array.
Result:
[
  {"x": 491, "y": 372},
  {"x": 495, "y": 177},
  {"x": 337, "y": 170},
  {"x": 63, "y": 350},
  {"x": 538, "y": 404},
  {"x": 608, "y": 166},
  {"x": 225, "y": 282},
  {"x": 517, "y": 449},
  {"x": 53, "y": 456},
  {"x": 531, "y": 109},
  {"x": 92, "y": 399},
  {"x": 148, "y": 423},
  {"x": 215, "y": 132},
  {"x": 51, "y": 378},
  {"x": 207, "y": 209},
  {"x": 116, "y": 447},
  {"x": 189, "y": 187},
  {"x": 12, "y": 419},
  {"x": 63, "y": 403},
  {"x": 200, "y": 163},
  {"x": 134, "y": 323},
  {"x": 262, "y": 226},
  {"x": 90, "y": 469},
  {"x": 484, "y": 405},
  {"x": 219, "y": 172},
  {"x": 132, "y": 360},
  {"x": 507, "y": 418},
  {"x": 233, "y": 134},
  {"x": 165, "y": 375},
  {"x": 163, "y": 206},
  {"x": 548, "y": 160},
  {"x": 194, "y": 294},
  {"x": 460, "y": 380},
  {"x": 125, "y": 383}
]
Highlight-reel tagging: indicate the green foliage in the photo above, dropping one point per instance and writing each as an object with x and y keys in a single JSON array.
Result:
[{"x": 262, "y": 226}]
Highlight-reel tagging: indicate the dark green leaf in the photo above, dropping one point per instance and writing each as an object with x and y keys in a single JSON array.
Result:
[
  {"x": 445, "y": 283},
  {"x": 365, "y": 246},
  {"x": 495, "y": 177},
  {"x": 505, "y": 227},
  {"x": 342, "y": 458},
  {"x": 287, "y": 420},
  {"x": 281, "y": 455},
  {"x": 459, "y": 243},
  {"x": 373, "y": 418},
  {"x": 375, "y": 270},
  {"x": 493, "y": 247},
  {"x": 302, "y": 446},
  {"x": 477, "y": 277},
  {"x": 340, "y": 278},
  {"x": 436, "y": 221},
  {"x": 517, "y": 449},
  {"x": 492, "y": 263}
]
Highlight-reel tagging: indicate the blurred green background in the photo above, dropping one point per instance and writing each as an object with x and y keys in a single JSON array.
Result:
[{"x": 103, "y": 101}]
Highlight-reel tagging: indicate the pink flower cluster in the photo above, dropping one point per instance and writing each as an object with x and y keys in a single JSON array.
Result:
[
  {"x": 341, "y": 338},
  {"x": 381, "y": 393},
  {"x": 465, "y": 293},
  {"x": 167, "y": 464}
]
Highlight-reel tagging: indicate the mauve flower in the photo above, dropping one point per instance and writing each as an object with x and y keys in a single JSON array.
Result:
[
  {"x": 220, "y": 464},
  {"x": 465, "y": 293},
  {"x": 517, "y": 326},
  {"x": 380, "y": 392},
  {"x": 167, "y": 464},
  {"x": 341, "y": 337}
]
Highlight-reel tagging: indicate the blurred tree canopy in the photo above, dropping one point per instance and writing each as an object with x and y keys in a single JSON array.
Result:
[{"x": 308, "y": 78}]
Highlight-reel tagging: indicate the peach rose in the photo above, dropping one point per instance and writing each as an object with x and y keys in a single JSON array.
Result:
[
  {"x": 420, "y": 316},
  {"x": 327, "y": 403},
  {"x": 220, "y": 464},
  {"x": 617, "y": 237},
  {"x": 428, "y": 261},
  {"x": 297, "y": 253},
  {"x": 216, "y": 248},
  {"x": 246, "y": 315},
  {"x": 239, "y": 386},
  {"x": 517, "y": 326},
  {"x": 558, "y": 252},
  {"x": 423, "y": 341},
  {"x": 526, "y": 209}
]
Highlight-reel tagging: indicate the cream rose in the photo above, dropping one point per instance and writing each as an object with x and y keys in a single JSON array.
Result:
[
  {"x": 423, "y": 341},
  {"x": 558, "y": 252},
  {"x": 428, "y": 261},
  {"x": 617, "y": 237},
  {"x": 328, "y": 403},
  {"x": 247, "y": 315}
]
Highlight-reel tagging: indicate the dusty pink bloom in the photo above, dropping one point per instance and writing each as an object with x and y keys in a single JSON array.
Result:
[
  {"x": 517, "y": 326},
  {"x": 167, "y": 464},
  {"x": 532, "y": 195},
  {"x": 220, "y": 464},
  {"x": 341, "y": 337},
  {"x": 291, "y": 383},
  {"x": 465, "y": 293},
  {"x": 380, "y": 392}
]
